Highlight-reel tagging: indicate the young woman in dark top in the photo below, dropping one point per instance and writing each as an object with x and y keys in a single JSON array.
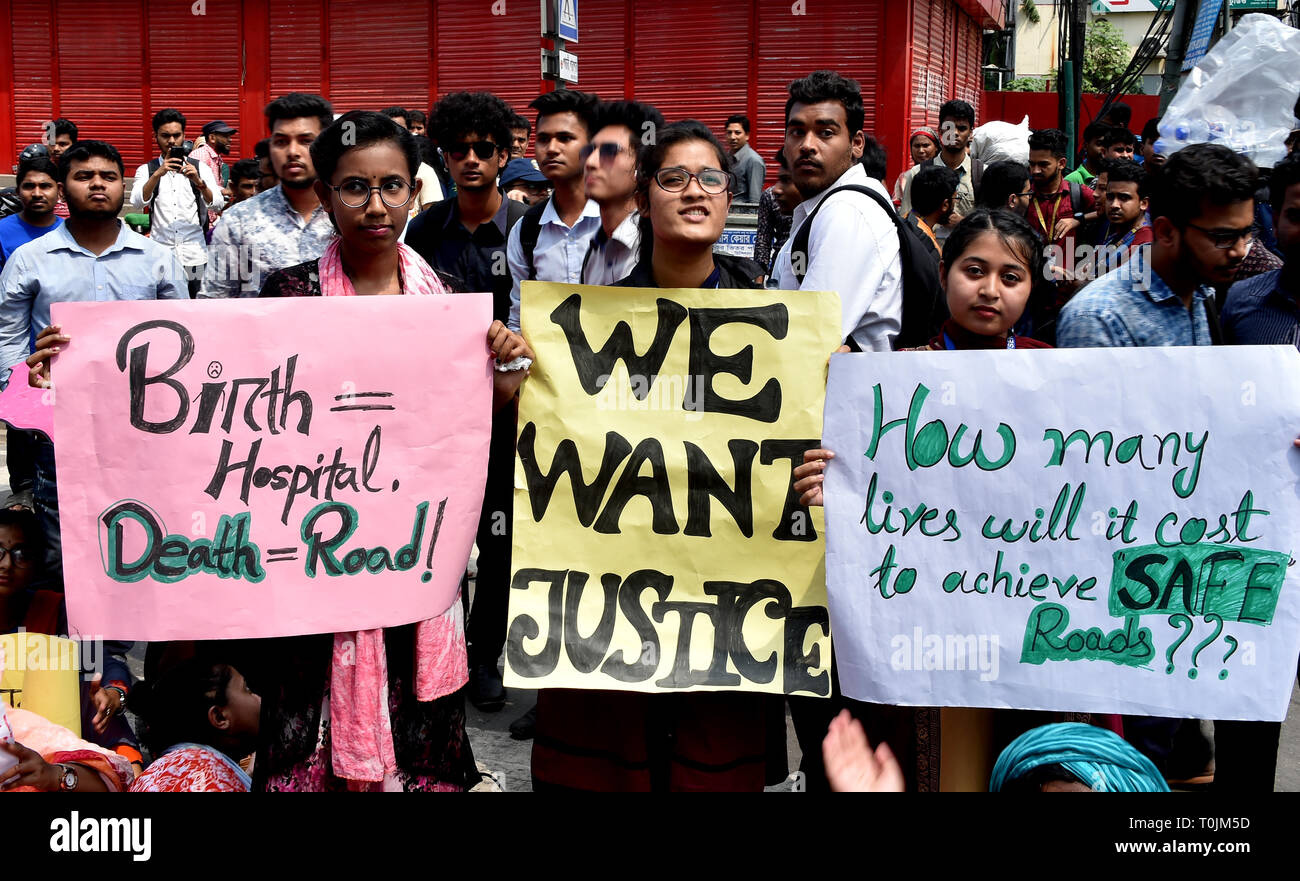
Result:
[{"x": 625, "y": 741}]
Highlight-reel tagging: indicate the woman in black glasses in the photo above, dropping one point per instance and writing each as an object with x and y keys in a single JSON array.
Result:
[
  {"x": 625, "y": 741},
  {"x": 682, "y": 195}
]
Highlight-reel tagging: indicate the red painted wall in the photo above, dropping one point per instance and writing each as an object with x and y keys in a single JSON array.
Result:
[{"x": 1043, "y": 113}]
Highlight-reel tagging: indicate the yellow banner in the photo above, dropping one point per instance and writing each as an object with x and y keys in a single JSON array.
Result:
[{"x": 658, "y": 545}]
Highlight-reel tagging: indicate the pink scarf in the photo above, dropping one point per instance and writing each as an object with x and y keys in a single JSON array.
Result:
[{"x": 360, "y": 726}]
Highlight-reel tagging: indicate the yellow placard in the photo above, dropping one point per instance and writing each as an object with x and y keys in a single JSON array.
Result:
[
  {"x": 658, "y": 544},
  {"x": 42, "y": 673}
]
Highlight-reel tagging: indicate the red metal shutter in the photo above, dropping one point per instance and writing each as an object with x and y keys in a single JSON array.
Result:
[
  {"x": 691, "y": 58},
  {"x": 297, "y": 43},
  {"x": 479, "y": 51},
  {"x": 933, "y": 59},
  {"x": 842, "y": 36},
  {"x": 601, "y": 49},
  {"x": 970, "y": 51},
  {"x": 33, "y": 36},
  {"x": 194, "y": 63},
  {"x": 101, "y": 74},
  {"x": 378, "y": 54}
]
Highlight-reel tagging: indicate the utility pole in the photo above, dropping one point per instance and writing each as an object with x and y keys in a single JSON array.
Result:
[
  {"x": 1070, "y": 79},
  {"x": 1179, "y": 32}
]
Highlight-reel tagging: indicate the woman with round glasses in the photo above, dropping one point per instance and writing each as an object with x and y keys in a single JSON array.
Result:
[
  {"x": 366, "y": 166},
  {"x": 682, "y": 195},
  {"x": 700, "y": 741}
]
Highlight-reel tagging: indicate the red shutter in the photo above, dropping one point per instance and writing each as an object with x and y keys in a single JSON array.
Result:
[
  {"x": 33, "y": 36},
  {"x": 482, "y": 52},
  {"x": 378, "y": 55},
  {"x": 194, "y": 63},
  {"x": 691, "y": 58},
  {"x": 844, "y": 36},
  {"x": 296, "y": 46},
  {"x": 970, "y": 58},
  {"x": 932, "y": 61},
  {"x": 601, "y": 49},
  {"x": 101, "y": 74}
]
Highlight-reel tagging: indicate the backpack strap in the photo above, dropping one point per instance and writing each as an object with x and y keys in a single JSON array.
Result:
[
  {"x": 514, "y": 213},
  {"x": 976, "y": 173},
  {"x": 1076, "y": 196},
  {"x": 799, "y": 247},
  {"x": 529, "y": 232}
]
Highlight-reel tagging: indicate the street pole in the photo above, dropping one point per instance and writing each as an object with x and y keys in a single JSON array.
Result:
[{"x": 1178, "y": 35}]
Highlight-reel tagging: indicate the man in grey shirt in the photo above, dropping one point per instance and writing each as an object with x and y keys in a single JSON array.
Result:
[{"x": 747, "y": 170}]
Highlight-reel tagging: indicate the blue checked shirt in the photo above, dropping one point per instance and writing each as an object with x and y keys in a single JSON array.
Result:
[{"x": 1121, "y": 309}]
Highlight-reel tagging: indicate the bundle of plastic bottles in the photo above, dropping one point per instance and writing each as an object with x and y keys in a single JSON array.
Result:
[{"x": 1242, "y": 94}]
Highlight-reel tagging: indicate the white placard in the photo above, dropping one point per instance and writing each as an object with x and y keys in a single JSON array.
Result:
[{"x": 1090, "y": 530}]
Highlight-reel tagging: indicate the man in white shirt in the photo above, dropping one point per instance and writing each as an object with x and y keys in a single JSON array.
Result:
[
  {"x": 550, "y": 242},
  {"x": 611, "y": 183},
  {"x": 853, "y": 246},
  {"x": 178, "y": 191}
]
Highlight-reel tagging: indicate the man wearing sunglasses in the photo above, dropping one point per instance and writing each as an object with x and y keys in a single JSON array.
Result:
[
  {"x": 1202, "y": 208},
  {"x": 551, "y": 242},
  {"x": 465, "y": 238},
  {"x": 611, "y": 159}
]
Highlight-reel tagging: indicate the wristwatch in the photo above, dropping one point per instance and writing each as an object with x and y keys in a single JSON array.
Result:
[
  {"x": 68, "y": 778},
  {"x": 121, "y": 702}
]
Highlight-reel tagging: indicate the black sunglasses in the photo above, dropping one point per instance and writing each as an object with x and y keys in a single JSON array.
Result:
[
  {"x": 482, "y": 149},
  {"x": 608, "y": 152}
]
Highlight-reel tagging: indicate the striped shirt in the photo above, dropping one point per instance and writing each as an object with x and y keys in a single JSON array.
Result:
[{"x": 1258, "y": 312}]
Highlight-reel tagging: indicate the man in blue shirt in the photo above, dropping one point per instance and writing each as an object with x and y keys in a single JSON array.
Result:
[
  {"x": 38, "y": 190},
  {"x": 92, "y": 257},
  {"x": 1265, "y": 310},
  {"x": 1202, "y": 210}
]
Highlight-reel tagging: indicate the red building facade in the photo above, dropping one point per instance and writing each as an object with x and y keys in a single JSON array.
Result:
[{"x": 109, "y": 65}]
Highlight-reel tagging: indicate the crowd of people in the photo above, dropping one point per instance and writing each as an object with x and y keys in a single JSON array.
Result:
[{"x": 1199, "y": 247}]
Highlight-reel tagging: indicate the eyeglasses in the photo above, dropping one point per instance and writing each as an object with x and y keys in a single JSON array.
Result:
[
  {"x": 354, "y": 192},
  {"x": 1224, "y": 239},
  {"x": 675, "y": 180},
  {"x": 608, "y": 152},
  {"x": 481, "y": 149},
  {"x": 21, "y": 556}
]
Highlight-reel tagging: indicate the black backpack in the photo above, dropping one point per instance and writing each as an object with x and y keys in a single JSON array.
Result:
[
  {"x": 924, "y": 306},
  {"x": 155, "y": 164}
]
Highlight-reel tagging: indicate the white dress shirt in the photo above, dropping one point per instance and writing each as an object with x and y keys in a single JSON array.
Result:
[
  {"x": 174, "y": 215},
  {"x": 612, "y": 259},
  {"x": 559, "y": 253},
  {"x": 852, "y": 250}
]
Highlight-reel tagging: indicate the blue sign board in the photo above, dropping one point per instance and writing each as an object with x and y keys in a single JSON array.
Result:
[
  {"x": 567, "y": 20},
  {"x": 1207, "y": 16}
]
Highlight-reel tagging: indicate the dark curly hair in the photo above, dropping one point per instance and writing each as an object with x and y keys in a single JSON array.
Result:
[
  {"x": 463, "y": 113},
  {"x": 828, "y": 85}
]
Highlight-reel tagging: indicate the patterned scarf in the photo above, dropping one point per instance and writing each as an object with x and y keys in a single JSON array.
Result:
[{"x": 360, "y": 726}]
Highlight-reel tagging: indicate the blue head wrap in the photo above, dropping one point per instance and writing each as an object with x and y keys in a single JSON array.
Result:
[{"x": 1098, "y": 757}]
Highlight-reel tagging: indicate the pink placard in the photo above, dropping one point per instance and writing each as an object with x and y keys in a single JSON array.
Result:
[
  {"x": 22, "y": 406},
  {"x": 257, "y": 468}
]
